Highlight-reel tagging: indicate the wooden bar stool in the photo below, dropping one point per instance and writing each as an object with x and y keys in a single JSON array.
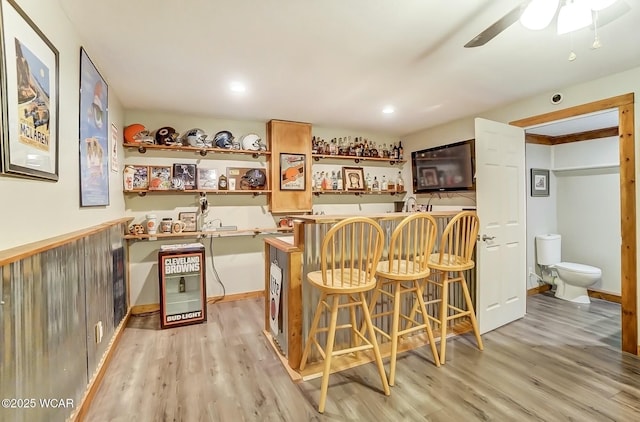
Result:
[
  {"x": 403, "y": 273},
  {"x": 349, "y": 255},
  {"x": 454, "y": 257}
]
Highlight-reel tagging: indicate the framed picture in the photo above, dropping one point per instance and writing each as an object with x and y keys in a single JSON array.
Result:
[
  {"x": 429, "y": 177},
  {"x": 186, "y": 172},
  {"x": 539, "y": 182},
  {"x": 189, "y": 219},
  {"x": 207, "y": 179},
  {"x": 29, "y": 103},
  {"x": 159, "y": 177},
  {"x": 94, "y": 135},
  {"x": 292, "y": 171},
  {"x": 353, "y": 178},
  {"x": 140, "y": 178}
]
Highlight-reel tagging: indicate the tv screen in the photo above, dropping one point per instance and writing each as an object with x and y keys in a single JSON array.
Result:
[{"x": 444, "y": 168}]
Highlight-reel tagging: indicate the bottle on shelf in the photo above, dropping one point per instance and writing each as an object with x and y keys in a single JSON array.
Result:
[
  {"x": 340, "y": 184},
  {"x": 334, "y": 180},
  {"x": 395, "y": 153},
  {"x": 369, "y": 182},
  {"x": 376, "y": 185},
  {"x": 384, "y": 186},
  {"x": 400, "y": 151},
  {"x": 323, "y": 181},
  {"x": 399, "y": 183}
]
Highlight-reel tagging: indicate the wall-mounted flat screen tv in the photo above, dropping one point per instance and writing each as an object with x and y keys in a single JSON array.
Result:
[{"x": 444, "y": 168}]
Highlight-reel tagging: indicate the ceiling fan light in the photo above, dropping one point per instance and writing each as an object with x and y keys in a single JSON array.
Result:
[
  {"x": 601, "y": 4},
  {"x": 538, "y": 14},
  {"x": 574, "y": 15}
]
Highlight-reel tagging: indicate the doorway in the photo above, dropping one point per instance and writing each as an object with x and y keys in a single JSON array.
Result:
[{"x": 628, "y": 264}]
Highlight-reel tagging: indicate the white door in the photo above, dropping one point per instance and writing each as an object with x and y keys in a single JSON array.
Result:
[{"x": 501, "y": 202}]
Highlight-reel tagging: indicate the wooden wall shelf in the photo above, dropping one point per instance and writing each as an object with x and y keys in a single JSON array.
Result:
[
  {"x": 211, "y": 233},
  {"x": 200, "y": 191},
  {"x": 143, "y": 147},
  {"x": 357, "y": 159},
  {"x": 357, "y": 193}
]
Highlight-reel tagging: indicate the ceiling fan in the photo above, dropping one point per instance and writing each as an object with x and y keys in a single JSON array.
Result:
[{"x": 611, "y": 11}]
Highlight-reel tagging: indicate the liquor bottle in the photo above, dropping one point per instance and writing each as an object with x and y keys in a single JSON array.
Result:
[
  {"x": 384, "y": 186},
  {"x": 334, "y": 181},
  {"x": 400, "y": 151},
  {"x": 399, "y": 183},
  {"x": 323, "y": 181},
  {"x": 314, "y": 145},
  {"x": 369, "y": 182},
  {"x": 395, "y": 153},
  {"x": 182, "y": 285},
  {"x": 340, "y": 184}
]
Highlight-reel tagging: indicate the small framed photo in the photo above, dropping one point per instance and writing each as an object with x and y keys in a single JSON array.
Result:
[
  {"x": 140, "y": 177},
  {"x": 292, "y": 171},
  {"x": 187, "y": 173},
  {"x": 353, "y": 178},
  {"x": 429, "y": 177},
  {"x": 207, "y": 179},
  {"x": 189, "y": 219},
  {"x": 159, "y": 177},
  {"x": 539, "y": 182}
]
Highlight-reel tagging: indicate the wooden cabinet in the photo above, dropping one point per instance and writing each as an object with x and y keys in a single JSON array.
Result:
[{"x": 286, "y": 137}]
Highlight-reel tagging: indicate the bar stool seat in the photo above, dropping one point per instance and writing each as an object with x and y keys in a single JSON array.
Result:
[
  {"x": 409, "y": 248},
  {"x": 349, "y": 255}
]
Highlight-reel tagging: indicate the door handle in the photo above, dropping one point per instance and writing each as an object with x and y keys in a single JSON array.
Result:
[{"x": 485, "y": 237}]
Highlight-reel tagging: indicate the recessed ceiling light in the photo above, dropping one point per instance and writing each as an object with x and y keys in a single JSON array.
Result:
[
  {"x": 237, "y": 87},
  {"x": 388, "y": 110}
]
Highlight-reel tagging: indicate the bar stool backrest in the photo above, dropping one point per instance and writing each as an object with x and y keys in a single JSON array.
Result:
[
  {"x": 350, "y": 253},
  {"x": 411, "y": 244},
  {"x": 459, "y": 239}
]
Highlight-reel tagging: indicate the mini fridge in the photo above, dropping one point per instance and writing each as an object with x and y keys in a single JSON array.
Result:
[{"x": 183, "y": 296}]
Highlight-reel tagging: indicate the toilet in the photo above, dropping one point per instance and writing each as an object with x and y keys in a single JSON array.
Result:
[{"x": 571, "y": 279}]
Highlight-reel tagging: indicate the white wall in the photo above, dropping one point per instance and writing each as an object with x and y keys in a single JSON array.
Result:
[
  {"x": 35, "y": 210},
  {"x": 238, "y": 260}
]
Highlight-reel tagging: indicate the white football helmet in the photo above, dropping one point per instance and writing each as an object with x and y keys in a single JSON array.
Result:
[
  {"x": 252, "y": 142},
  {"x": 194, "y": 138}
]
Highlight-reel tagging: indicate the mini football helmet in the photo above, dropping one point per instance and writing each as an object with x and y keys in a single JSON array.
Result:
[
  {"x": 252, "y": 142},
  {"x": 166, "y": 136},
  {"x": 194, "y": 138},
  {"x": 134, "y": 133},
  {"x": 255, "y": 178},
  {"x": 223, "y": 139}
]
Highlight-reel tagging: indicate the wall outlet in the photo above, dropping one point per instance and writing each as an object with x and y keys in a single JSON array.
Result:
[{"x": 98, "y": 330}]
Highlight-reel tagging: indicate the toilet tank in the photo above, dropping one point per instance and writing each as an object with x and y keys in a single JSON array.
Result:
[{"x": 548, "y": 247}]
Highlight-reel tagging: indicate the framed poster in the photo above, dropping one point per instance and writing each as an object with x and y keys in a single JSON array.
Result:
[
  {"x": 28, "y": 97},
  {"x": 292, "y": 171},
  {"x": 539, "y": 182},
  {"x": 94, "y": 135}
]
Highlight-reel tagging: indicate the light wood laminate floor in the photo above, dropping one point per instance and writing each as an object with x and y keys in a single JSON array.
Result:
[{"x": 560, "y": 363}]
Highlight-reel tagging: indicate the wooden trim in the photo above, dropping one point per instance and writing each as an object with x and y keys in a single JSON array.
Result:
[
  {"x": 591, "y": 107},
  {"x": 610, "y": 297},
  {"x": 585, "y": 136},
  {"x": 532, "y": 138},
  {"x": 145, "y": 309},
  {"x": 267, "y": 283},
  {"x": 281, "y": 245},
  {"x": 235, "y": 297},
  {"x": 294, "y": 375},
  {"x": 294, "y": 314},
  {"x": 18, "y": 253},
  {"x": 628, "y": 217},
  {"x": 95, "y": 382},
  {"x": 539, "y": 289}
]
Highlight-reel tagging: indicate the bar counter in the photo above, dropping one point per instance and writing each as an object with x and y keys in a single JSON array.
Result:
[{"x": 290, "y": 301}]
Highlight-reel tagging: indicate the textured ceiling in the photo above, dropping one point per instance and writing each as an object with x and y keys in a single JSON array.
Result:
[{"x": 336, "y": 63}]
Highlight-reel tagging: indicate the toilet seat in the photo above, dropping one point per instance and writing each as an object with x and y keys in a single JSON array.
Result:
[{"x": 578, "y": 268}]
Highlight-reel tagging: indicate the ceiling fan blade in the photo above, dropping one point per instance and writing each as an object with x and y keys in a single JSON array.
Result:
[
  {"x": 495, "y": 29},
  {"x": 611, "y": 13}
]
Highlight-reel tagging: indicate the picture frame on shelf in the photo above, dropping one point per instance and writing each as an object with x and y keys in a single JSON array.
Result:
[
  {"x": 189, "y": 218},
  {"x": 94, "y": 135},
  {"x": 207, "y": 179},
  {"x": 29, "y": 94},
  {"x": 539, "y": 182},
  {"x": 159, "y": 177},
  {"x": 293, "y": 171},
  {"x": 353, "y": 179},
  {"x": 187, "y": 173},
  {"x": 140, "y": 178}
]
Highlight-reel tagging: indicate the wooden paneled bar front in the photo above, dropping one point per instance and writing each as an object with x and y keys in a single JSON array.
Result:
[{"x": 297, "y": 300}]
